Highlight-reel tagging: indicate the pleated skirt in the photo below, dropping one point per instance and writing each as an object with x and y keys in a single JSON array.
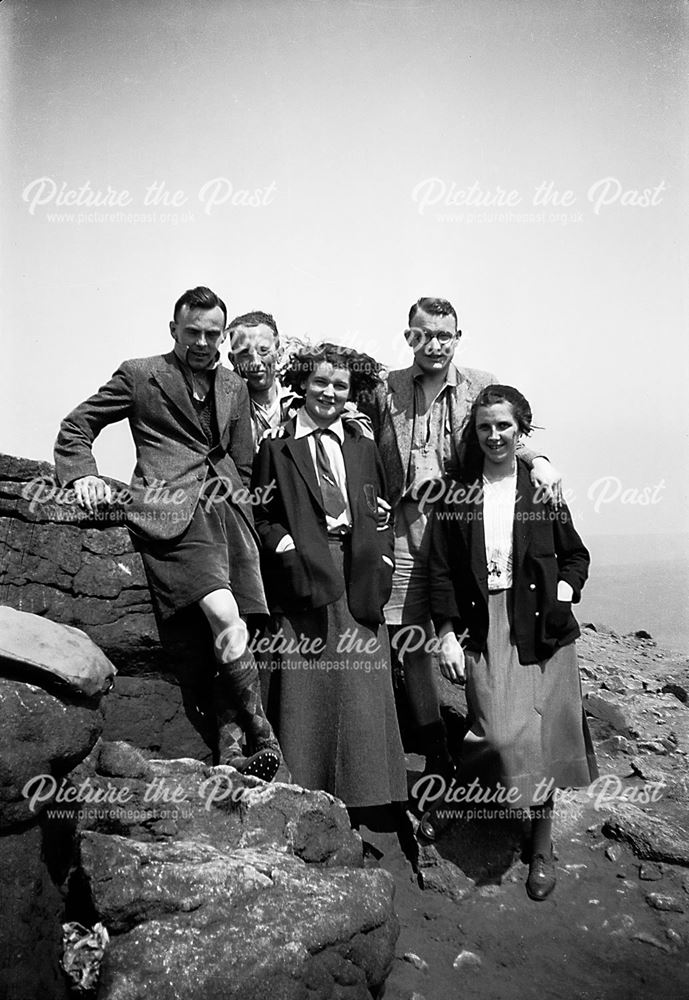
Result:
[{"x": 528, "y": 732}]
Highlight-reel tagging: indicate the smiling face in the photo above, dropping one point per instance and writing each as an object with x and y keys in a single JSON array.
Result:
[
  {"x": 254, "y": 353},
  {"x": 198, "y": 334},
  {"x": 433, "y": 340},
  {"x": 326, "y": 391},
  {"x": 497, "y": 432}
]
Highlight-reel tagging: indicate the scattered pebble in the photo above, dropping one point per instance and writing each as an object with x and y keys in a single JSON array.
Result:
[
  {"x": 594, "y": 902},
  {"x": 488, "y": 890},
  {"x": 660, "y": 902},
  {"x": 685, "y": 883},
  {"x": 415, "y": 960},
  {"x": 673, "y": 936},
  {"x": 649, "y": 939},
  {"x": 417, "y": 996},
  {"x": 614, "y": 852},
  {"x": 650, "y": 872},
  {"x": 652, "y": 746},
  {"x": 466, "y": 958}
]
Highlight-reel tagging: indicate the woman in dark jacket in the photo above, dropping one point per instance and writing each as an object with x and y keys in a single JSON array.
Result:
[
  {"x": 328, "y": 571},
  {"x": 506, "y": 567}
]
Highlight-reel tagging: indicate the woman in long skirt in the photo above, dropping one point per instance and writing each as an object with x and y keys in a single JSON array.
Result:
[
  {"x": 506, "y": 567},
  {"x": 328, "y": 569}
]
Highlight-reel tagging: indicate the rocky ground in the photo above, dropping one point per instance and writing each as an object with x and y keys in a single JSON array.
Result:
[
  {"x": 616, "y": 928},
  {"x": 617, "y": 925}
]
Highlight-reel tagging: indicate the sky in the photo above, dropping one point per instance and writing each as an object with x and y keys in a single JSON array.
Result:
[{"x": 330, "y": 161}]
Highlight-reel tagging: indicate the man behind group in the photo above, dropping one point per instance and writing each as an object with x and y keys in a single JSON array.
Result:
[
  {"x": 254, "y": 352},
  {"x": 417, "y": 424},
  {"x": 191, "y": 425}
]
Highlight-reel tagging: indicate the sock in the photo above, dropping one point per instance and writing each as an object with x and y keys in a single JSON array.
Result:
[
  {"x": 230, "y": 732},
  {"x": 242, "y": 690},
  {"x": 542, "y": 828},
  {"x": 433, "y": 740}
]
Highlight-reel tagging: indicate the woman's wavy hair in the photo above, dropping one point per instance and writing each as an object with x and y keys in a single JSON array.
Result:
[
  {"x": 364, "y": 371},
  {"x": 470, "y": 450}
]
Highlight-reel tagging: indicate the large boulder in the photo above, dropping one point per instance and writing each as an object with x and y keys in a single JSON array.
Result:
[
  {"x": 75, "y": 569},
  {"x": 50, "y": 719},
  {"x": 192, "y": 920},
  {"x": 216, "y": 885},
  {"x": 30, "y": 922},
  {"x": 56, "y": 655},
  {"x": 52, "y": 679}
]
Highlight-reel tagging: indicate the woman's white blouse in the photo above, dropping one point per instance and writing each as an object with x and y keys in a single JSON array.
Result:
[{"x": 498, "y": 520}]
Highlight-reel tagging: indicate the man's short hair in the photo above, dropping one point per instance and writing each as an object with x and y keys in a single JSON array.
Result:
[
  {"x": 199, "y": 298},
  {"x": 255, "y": 318},
  {"x": 434, "y": 307}
]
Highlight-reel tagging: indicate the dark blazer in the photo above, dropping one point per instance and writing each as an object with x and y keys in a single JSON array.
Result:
[
  {"x": 546, "y": 549},
  {"x": 173, "y": 457},
  {"x": 307, "y": 578}
]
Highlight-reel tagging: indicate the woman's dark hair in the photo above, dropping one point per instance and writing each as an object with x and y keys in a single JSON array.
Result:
[
  {"x": 470, "y": 450},
  {"x": 364, "y": 371}
]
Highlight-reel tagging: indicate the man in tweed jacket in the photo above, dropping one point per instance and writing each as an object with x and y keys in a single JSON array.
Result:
[
  {"x": 417, "y": 423},
  {"x": 189, "y": 514}
]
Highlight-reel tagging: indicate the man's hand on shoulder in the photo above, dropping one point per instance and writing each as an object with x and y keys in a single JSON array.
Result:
[
  {"x": 273, "y": 433},
  {"x": 547, "y": 479},
  {"x": 91, "y": 492}
]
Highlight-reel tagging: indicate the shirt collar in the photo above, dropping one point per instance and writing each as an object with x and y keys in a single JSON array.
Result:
[
  {"x": 212, "y": 367},
  {"x": 305, "y": 425},
  {"x": 450, "y": 375}
]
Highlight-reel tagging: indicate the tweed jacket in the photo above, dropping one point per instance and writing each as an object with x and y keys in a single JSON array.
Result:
[
  {"x": 392, "y": 414},
  {"x": 546, "y": 549},
  {"x": 175, "y": 465},
  {"x": 306, "y": 578}
]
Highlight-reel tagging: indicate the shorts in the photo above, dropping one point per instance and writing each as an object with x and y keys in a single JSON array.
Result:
[{"x": 218, "y": 551}]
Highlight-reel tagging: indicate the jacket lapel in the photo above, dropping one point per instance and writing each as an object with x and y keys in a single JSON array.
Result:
[
  {"x": 401, "y": 386},
  {"x": 523, "y": 507},
  {"x": 477, "y": 543},
  {"x": 300, "y": 453},
  {"x": 222, "y": 393},
  {"x": 353, "y": 472},
  {"x": 173, "y": 386}
]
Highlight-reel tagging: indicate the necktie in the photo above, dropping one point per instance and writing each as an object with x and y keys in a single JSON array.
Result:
[{"x": 333, "y": 501}]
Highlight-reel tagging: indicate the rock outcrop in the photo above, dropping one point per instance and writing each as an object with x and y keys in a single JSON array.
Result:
[
  {"x": 213, "y": 885},
  {"x": 78, "y": 570},
  {"x": 51, "y": 716}
]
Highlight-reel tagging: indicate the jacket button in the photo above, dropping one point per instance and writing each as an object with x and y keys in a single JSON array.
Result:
[
  {"x": 532, "y": 586},
  {"x": 473, "y": 604},
  {"x": 537, "y": 613}
]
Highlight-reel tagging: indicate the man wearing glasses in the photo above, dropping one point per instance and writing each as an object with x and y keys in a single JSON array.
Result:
[{"x": 417, "y": 425}]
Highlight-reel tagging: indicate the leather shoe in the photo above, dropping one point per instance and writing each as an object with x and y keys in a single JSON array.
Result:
[
  {"x": 264, "y": 764},
  {"x": 542, "y": 878},
  {"x": 431, "y": 826}
]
